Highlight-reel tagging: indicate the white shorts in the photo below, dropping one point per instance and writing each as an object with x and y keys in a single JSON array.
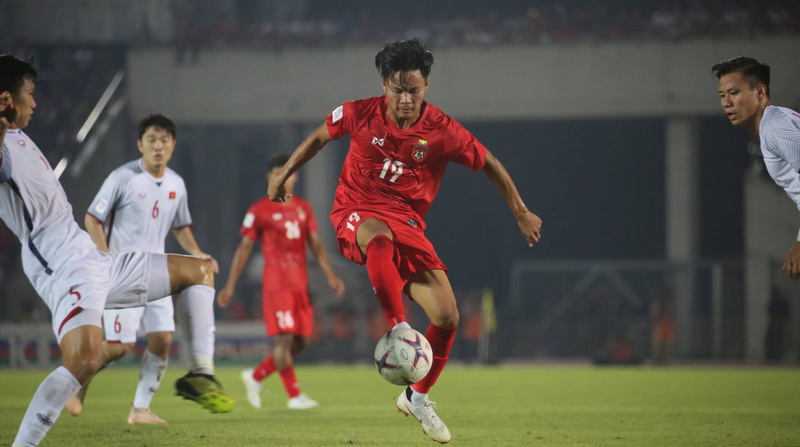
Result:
[
  {"x": 123, "y": 325},
  {"x": 88, "y": 281}
]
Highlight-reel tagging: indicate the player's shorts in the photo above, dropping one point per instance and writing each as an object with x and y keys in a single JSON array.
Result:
[
  {"x": 123, "y": 325},
  {"x": 415, "y": 251},
  {"x": 87, "y": 281},
  {"x": 287, "y": 312}
]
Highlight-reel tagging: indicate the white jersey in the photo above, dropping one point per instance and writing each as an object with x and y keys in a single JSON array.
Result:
[
  {"x": 779, "y": 132},
  {"x": 34, "y": 206},
  {"x": 138, "y": 210}
]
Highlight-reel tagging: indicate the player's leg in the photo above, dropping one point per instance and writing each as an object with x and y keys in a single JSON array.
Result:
[
  {"x": 81, "y": 348},
  {"x": 376, "y": 242},
  {"x": 432, "y": 290},
  {"x": 120, "y": 327},
  {"x": 158, "y": 324},
  {"x": 192, "y": 280}
]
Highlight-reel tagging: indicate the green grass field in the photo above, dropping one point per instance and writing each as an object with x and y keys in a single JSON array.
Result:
[{"x": 510, "y": 406}]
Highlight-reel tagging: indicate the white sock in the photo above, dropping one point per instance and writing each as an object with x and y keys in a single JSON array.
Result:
[
  {"x": 150, "y": 374},
  {"x": 418, "y": 398},
  {"x": 198, "y": 308},
  {"x": 402, "y": 324},
  {"x": 46, "y": 406}
]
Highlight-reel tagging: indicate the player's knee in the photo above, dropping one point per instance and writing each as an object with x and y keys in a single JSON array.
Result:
[
  {"x": 204, "y": 275},
  {"x": 448, "y": 317},
  {"x": 84, "y": 364}
]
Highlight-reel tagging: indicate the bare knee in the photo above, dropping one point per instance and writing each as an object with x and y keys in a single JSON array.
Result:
[
  {"x": 84, "y": 363},
  {"x": 282, "y": 351},
  {"x": 369, "y": 230},
  {"x": 300, "y": 343},
  {"x": 187, "y": 271},
  {"x": 159, "y": 343},
  {"x": 446, "y": 317},
  {"x": 113, "y": 351}
]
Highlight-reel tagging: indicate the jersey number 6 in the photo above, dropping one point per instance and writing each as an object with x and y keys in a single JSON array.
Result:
[{"x": 155, "y": 210}]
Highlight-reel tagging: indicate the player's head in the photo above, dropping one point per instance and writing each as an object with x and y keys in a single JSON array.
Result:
[
  {"x": 274, "y": 166},
  {"x": 17, "y": 82},
  {"x": 743, "y": 88},
  {"x": 157, "y": 139},
  {"x": 404, "y": 67}
]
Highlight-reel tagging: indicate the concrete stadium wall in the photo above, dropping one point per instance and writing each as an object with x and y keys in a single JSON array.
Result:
[{"x": 553, "y": 81}]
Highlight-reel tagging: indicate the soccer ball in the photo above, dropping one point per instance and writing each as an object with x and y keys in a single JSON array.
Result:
[{"x": 403, "y": 356}]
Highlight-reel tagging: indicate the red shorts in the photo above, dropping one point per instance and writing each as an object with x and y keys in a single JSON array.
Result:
[
  {"x": 287, "y": 312},
  {"x": 416, "y": 253}
]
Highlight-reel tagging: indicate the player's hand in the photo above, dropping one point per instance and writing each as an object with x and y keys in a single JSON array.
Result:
[
  {"x": 224, "y": 297},
  {"x": 210, "y": 261},
  {"x": 336, "y": 284},
  {"x": 792, "y": 263},
  {"x": 277, "y": 192},
  {"x": 531, "y": 226}
]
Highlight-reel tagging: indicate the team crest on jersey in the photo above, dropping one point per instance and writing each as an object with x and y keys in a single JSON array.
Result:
[
  {"x": 301, "y": 215},
  {"x": 421, "y": 150},
  {"x": 172, "y": 194}
]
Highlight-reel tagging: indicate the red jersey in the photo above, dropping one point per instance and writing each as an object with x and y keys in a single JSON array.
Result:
[
  {"x": 282, "y": 230},
  {"x": 392, "y": 169}
]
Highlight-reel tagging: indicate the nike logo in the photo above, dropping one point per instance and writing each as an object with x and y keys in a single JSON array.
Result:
[{"x": 44, "y": 419}]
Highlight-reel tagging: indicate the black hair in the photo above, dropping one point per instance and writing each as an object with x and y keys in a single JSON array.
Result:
[
  {"x": 14, "y": 72},
  {"x": 159, "y": 121},
  {"x": 754, "y": 71},
  {"x": 402, "y": 57},
  {"x": 277, "y": 161}
]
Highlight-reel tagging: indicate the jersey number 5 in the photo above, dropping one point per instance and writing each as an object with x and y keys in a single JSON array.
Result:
[{"x": 396, "y": 166}]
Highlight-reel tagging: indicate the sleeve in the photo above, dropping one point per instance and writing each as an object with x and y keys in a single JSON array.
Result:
[
  {"x": 108, "y": 197},
  {"x": 182, "y": 217},
  {"x": 342, "y": 121},
  {"x": 463, "y": 148},
  {"x": 784, "y": 138},
  {"x": 311, "y": 221},
  {"x": 5, "y": 168},
  {"x": 250, "y": 226}
]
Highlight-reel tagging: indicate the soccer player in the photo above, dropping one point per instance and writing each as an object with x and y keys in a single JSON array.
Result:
[
  {"x": 76, "y": 280},
  {"x": 399, "y": 147},
  {"x": 283, "y": 230},
  {"x": 744, "y": 95},
  {"x": 137, "y": 206}
]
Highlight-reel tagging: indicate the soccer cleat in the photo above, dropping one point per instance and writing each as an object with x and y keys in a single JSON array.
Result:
[
  {"x": 253, "y": 388},
  {"x": 144, "y": 416},
  {"x": 431, "y": 424},
  {"x": 302, "y": 402},
  {"x": 205, "y": 390}
]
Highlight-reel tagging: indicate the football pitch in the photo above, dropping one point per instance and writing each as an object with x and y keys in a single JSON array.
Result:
[{"x": 490, "y": 407}]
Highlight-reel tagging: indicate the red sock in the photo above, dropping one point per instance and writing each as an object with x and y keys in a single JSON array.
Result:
[
  {"x": 441, "y": 340},
  {"x": 264, "y": 369},
  {"x": 290, "y": 381},
  {"x": 385, "y": 278}
]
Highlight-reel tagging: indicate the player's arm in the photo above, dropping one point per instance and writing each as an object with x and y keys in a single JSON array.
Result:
[
  {"x": 95, "y": 229},
  {"x": 321, "y": 255},
  {"x": 309, "y": 148},
  {"x": 787, "y": 138},
  {"x": 187, "y": 241},
  {"x": 530, "y": 224},
  {"x": 239, "y": 261}
]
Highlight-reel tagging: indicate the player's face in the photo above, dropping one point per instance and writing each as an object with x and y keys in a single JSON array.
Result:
[
  {"x": 156, "y": 146},
  {"x": 740, "y": 101},
  {"x": 289, "y": 182},
  {"x": 405, "y": 93},
  {"x": 24, "y": 104}
]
